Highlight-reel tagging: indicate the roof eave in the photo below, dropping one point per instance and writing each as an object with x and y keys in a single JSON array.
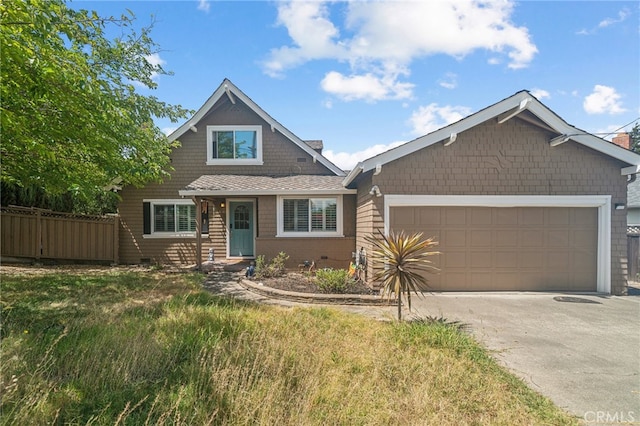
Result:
[{"x": 353, "y": 174}]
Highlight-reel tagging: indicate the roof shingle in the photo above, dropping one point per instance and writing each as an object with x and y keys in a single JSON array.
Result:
[{"x": 257, "y": 184}]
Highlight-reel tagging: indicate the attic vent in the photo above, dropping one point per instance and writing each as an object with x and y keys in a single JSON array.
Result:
[{"x": 302, "y": 160}]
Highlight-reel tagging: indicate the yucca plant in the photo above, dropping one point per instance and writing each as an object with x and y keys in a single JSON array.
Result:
[{"x": 399, "y": 262}]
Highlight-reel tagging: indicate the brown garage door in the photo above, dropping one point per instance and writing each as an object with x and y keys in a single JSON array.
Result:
[{"x": 508, "y": 248}]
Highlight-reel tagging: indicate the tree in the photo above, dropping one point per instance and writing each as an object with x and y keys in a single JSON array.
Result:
[
  {"x": 635, "y": 138},
  {"x": 72, "y": 120},
  {"x": 399, "y": 261}
]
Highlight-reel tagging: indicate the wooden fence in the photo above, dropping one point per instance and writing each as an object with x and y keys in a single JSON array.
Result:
[{"x": 44, "y": 234}]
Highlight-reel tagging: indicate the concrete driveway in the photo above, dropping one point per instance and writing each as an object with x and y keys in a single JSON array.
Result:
[{"x": 581, "y": 351}]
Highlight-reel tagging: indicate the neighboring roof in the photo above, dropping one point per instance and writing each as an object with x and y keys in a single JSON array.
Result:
[
  {"x": 521, "y": 102},
  {"x": 237, "y": 185},
  {"x": 229, "y": 89},
  {"x": 316, "y": 145},
  {"x": 633, "y": 194}
]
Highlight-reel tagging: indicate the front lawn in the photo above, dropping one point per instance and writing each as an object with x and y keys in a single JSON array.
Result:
[{"x": 118, "y": 346}]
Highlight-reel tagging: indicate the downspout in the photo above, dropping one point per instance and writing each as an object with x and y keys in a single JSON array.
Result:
[{"x": 198, "y": 203}]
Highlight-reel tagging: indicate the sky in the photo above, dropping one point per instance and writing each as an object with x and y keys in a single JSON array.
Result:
[{"x": 364, "y": 76}]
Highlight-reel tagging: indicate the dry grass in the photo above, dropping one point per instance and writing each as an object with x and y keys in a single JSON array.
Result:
[{"x": 150, "y": 348}]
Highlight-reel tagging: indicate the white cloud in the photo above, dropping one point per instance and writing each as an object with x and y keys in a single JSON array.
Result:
[
  {"x": 168, "y": 130},
  {"x": 155, "y": 60},
  {"x": 610, "y": 131},
  {"x": 348, "y": 160},
  {"x": 606, "y": 22},
  {"x": 402, "y": 31},
  {"x": 381, "y": 39},
  {"x": 366, "y": 87},
  {"x": 312, "y": 34},
  {"x": 450, "y": 81},
  {"x": 204, "y": 5},
  {"x": 540, "y": 93},
  {"x": 603, "y": 100},
  {"x": 432, "y": 117},
  {"x": 622, "y": 15}
]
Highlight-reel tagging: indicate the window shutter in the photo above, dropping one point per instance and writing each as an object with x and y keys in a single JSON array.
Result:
[{"x": 146, "y": 218}]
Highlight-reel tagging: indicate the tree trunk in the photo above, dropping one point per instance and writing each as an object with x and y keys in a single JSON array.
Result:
[{"x": 399, "y": 306}]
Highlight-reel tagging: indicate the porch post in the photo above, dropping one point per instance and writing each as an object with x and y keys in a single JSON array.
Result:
[{"x": 198, "y": 202}]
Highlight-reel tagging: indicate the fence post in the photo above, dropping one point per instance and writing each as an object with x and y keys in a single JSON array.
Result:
[
  {"x": 116, "y": 239},
  {"x": 38, "y": 234}
]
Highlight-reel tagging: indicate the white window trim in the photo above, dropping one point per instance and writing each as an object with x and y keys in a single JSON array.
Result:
[
  {"x": 234, "y": 162},
  {"x": 310, "y": 234},
  {"x": 601, "y": 202},
  {"x": 155, "y": 234}
]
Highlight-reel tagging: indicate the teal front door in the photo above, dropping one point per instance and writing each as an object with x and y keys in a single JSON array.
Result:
[{"x": 241, "y": 229}]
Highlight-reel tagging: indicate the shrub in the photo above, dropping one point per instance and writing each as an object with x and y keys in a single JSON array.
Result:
[
  {"x": 273, "y": 269},
  {"x": 399, "y": 261},
  {"x": 333, "y": 280}
]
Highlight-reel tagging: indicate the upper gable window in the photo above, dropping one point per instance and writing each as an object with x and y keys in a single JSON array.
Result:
[{"x": 232, "y": 145}]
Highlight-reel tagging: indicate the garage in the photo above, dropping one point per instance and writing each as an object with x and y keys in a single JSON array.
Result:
[{"x": 506, "y": 247}]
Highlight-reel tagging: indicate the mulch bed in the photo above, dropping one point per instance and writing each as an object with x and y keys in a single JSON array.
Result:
[{"x": 301, "y": 283}]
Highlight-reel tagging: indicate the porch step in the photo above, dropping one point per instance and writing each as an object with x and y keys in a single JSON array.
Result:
[{"x": 224, "y": 266}]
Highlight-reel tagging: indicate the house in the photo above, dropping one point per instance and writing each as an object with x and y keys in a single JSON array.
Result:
[
  {"x": 633, "y": 190},
  {"x": 517, "y": 198},
  {"x": 242, "y": 185}
]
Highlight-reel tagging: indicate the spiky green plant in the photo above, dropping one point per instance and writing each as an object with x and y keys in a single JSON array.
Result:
[{"x": 400, "y": 261}]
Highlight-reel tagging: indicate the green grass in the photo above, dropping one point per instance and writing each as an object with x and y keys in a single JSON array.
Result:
[{"x": 148, "y": 347}]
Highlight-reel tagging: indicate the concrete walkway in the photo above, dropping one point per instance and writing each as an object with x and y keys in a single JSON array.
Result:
[{"x": 581, "y": 351}]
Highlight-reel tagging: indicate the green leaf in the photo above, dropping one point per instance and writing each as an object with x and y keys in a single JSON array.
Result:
[{"x": 70, "y": 116}]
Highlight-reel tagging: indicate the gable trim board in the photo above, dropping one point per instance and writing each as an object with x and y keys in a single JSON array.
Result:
[
  {"x": 601, "y": 202},
  {"x": 512, "y": 107},
  {"x": 227, "y": 88}
]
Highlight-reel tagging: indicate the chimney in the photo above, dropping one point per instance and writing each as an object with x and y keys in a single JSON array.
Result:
[
  {"x": 316, "y": 145},
  {"x": 623, "y": 140}
]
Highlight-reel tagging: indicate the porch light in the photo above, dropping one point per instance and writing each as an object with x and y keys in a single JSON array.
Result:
[{"x": 375, "y": 191}]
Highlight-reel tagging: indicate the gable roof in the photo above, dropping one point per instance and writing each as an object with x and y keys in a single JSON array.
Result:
[
  {"x": 229, "y": 89},
  {"x": 521, "y": 102}
]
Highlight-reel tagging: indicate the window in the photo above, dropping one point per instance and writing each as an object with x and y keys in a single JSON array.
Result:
[
  {"x": 174, "y": 218},
  {"x": 309, "y": 216},
  {"x": 169, "y": 218},
  {"x": 296, "y": 215},
  {"x": 234, "y": 145}
]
